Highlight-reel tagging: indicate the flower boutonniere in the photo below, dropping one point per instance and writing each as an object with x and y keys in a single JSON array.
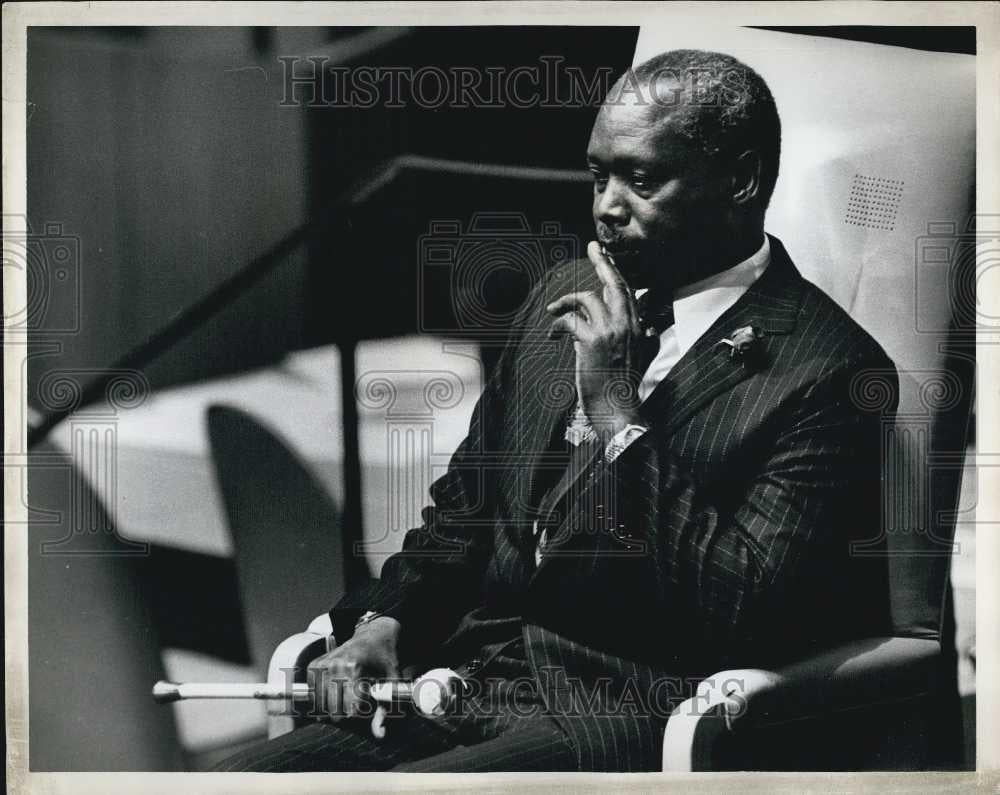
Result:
[{"x": 745, "y": 343}]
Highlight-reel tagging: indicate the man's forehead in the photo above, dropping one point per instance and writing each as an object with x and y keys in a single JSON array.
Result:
[{"x": 633, "y": 117}]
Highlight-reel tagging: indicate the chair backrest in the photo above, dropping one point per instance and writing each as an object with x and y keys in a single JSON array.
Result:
[
  {"x": 286, "y": 530},
  {"x": 874, "y": 202}
]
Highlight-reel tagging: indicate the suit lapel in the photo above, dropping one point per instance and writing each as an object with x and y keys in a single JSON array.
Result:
[
  {"x": 708, "y": 369},
  {"x": 548, "y": 392}
]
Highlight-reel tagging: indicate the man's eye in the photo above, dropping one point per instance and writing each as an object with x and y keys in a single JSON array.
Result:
[
  {"x": 641, "y": 182},
  {"x": 600, "y": 180}
]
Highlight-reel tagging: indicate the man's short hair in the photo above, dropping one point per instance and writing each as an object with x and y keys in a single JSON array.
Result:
[{"x": 722, "y": 106}]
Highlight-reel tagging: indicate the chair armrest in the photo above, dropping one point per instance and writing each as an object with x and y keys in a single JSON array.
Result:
[
  {"x": 289, "y": 663},
  {"x": 858, "y": 674}
]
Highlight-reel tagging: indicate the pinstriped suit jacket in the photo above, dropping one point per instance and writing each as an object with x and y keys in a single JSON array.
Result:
[{"x": 720, "y": 538}]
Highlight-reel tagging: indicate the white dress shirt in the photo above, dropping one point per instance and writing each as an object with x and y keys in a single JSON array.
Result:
[{"x": 696, "y": 307}]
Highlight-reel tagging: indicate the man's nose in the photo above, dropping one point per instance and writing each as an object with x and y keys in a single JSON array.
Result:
[{"x": 611, "y": 206}]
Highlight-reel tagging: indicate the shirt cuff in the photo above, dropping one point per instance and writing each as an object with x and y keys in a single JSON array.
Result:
[
  {"x": 621, "y": 440},
  {"x": 579, "y": 429}
]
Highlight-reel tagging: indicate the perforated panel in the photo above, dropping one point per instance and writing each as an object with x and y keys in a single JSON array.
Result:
[{"x": 874, "y": 202}]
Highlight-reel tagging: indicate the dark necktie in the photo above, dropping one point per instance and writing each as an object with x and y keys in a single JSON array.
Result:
[{"x": 655, "y": 317}]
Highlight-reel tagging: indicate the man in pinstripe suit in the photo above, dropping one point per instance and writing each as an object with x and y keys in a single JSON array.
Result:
[{"x": 662, "y": 478}]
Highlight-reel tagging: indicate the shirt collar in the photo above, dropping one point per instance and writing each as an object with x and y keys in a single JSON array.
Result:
[{"x": 699, "y": 304}]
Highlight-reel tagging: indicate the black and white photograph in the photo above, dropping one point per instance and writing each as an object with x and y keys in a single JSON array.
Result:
[{"x": 499, "y": 388}]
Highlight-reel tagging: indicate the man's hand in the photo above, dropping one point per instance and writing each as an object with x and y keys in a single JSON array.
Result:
[
  {"x": 605, "y": 329},
  {"x": 340, "y": 679}
]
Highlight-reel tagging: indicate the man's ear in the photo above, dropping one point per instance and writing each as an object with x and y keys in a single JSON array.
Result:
[{"x": 746, "y": 177}]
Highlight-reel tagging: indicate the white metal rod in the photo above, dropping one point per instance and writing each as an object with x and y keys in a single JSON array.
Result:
[{"x": 165, "y": 692}]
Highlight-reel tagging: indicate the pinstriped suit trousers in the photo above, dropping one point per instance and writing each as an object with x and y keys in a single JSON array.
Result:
[{"x": 485, "y": 737}]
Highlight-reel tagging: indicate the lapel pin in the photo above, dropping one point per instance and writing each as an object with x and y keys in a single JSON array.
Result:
[{"x": 745, "y": 342}]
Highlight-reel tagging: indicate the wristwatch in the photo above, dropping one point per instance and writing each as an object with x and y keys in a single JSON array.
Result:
[{"x": 621, "y": 440}]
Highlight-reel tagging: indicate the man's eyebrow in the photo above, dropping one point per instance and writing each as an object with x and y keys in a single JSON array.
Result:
[{"x": 620, "y": 161}]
